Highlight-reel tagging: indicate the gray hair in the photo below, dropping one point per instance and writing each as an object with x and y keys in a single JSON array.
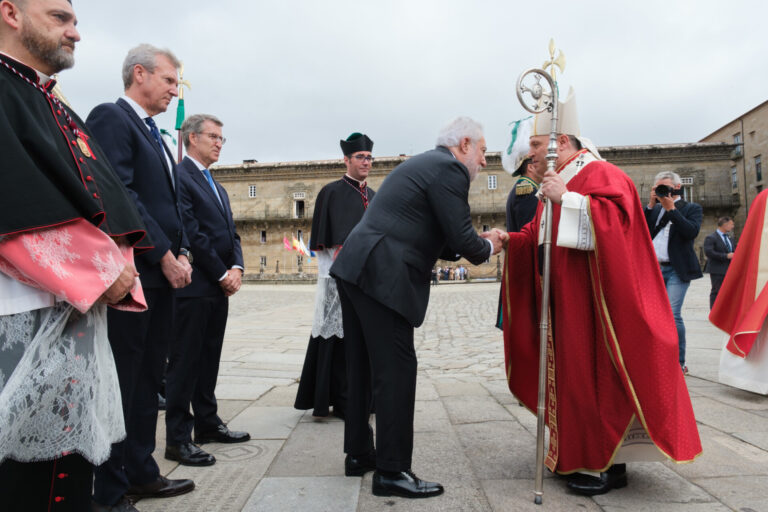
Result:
[
  {"x": 452, "y": 133},
  {"x": 145, "y": 55},
  {"x": 664, "y": 175},
  {"x": 194, "y": 124}
]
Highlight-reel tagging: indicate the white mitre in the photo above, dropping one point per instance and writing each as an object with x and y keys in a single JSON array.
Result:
[{"x": 567, "y": 122}]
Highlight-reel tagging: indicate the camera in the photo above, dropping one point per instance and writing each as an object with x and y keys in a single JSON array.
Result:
[{"x": 665, "y": 191}]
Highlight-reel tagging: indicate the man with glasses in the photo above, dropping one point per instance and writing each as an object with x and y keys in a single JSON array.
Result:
[
  {"x": 201, "y": 307},
  {"x": 339, "y": 207}
]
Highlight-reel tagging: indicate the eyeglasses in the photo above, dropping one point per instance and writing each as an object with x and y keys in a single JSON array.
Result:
[
  {"x": 215, "y": 138},
  {"x": 360, "y": 158}
]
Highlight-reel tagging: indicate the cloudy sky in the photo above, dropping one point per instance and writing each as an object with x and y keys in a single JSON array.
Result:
[{"x": 290, "y": 78}]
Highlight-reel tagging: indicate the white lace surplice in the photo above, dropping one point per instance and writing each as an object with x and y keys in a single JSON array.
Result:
[
  {"x": 58, "y": 385},
  {"x": 327, "y": 321}
]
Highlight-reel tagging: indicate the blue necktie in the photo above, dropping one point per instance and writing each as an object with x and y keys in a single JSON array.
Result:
[
  {"x": 212, "y": 184},
  {"x": 154, "y": 131}
]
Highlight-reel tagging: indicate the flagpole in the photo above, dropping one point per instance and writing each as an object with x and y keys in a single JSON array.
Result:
[{"x": 180, "y": 115}]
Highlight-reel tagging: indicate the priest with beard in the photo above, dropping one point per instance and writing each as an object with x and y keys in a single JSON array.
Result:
[{"x": 67, "y": 234}]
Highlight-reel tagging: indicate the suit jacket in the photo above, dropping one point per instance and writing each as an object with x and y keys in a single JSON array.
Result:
[
  {"x": 685, "y": 222},
  {"x": 139, "y": 162},
  {"x": 420, "y": 213},
  {"x": 209, "y": 226},
  {"x": 717, "y": 253}
]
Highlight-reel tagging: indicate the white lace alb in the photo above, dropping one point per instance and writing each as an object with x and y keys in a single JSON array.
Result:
[{"x": 59, "y": 391}]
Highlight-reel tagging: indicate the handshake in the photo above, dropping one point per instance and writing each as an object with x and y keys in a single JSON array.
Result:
[{"x": 498, "y": 237}]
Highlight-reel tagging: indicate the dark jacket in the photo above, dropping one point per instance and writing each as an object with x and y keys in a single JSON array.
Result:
[
  {"x": 685, "y": 222},
  {"x": 717, "y": 253},
  {"x": 208, "y": 224},
  {"x": 139, "y": 162},
  {"x": 420, "y": 213}
]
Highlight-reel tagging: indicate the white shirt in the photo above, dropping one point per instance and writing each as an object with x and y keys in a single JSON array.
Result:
[
  {"x": 143, "y": 116},
  {"x": 201, "y": 167},
  {"x": 661, "y": 240}
]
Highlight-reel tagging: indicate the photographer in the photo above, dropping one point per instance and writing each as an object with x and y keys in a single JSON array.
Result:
[{"x": 674, "y": 224}]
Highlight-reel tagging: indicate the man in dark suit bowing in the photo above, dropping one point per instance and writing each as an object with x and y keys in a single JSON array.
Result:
[
  {"x": 202, "y": 307},
  {"x": 420, "y": 213},
  {"x": 719, "y": 248},
  {"x": 674, "y": 225},
  {"x": 139, "y": 341}
]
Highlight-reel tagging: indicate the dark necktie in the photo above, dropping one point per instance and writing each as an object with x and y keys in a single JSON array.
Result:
[
  {"x": 727, "y": 243},
  {"x": 212, "y": 184},
  {"x": 154, "y": 131}
]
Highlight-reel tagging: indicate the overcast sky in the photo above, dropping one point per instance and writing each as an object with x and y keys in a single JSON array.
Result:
[{"x": 290, "y": 78}]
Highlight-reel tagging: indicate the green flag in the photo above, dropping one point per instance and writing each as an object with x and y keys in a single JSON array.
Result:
[{"x": 180, "y": 114}]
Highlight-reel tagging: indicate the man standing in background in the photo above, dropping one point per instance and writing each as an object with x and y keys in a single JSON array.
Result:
[
  {"x": 719, "y": 248},
  {"x": 339, "y": 207}
]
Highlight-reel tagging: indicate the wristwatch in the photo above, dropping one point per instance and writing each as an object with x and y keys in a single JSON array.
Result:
[{"x": 187, "y": 253}]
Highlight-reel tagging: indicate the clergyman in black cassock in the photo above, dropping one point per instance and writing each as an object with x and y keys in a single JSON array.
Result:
[{"x": 338, "y": 208}]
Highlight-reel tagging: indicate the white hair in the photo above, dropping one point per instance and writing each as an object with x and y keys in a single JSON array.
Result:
[
  {"x": 663, "y": 175},
  {"x": 145, "y": 55},
  {"x": 452, "y": 133}
]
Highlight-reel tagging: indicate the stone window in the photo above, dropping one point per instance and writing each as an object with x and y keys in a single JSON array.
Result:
[
  {"x": 492, "y": 182},
  {"x": 251, "y": 191},
  {"x": 734, "y": 178},
  {"x": 758, "y": 168},
  {"x": 263, "y": 261},
  {"x": 298, "y": 234},
  {"x": 298, "y": 209},
  {"x": 263, "y": 236},
  {"x": 486, "y": 228}
]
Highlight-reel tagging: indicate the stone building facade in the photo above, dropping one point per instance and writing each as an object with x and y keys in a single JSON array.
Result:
[
  {"x": 273, "y": 201},
  {"x": 748, "y": 134}
]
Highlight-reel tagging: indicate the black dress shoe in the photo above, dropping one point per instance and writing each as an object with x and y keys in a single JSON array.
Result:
[
  {"x": 587, "y": 485},
  {"x": 124, "y": 505},
  {"x": 358, "y": 465},
  {"x": 187, "y": 454},
  {"x": 404, "y": 484},
  {"x": 160, "y": 488},
  {"x": 222, "y": 435}
]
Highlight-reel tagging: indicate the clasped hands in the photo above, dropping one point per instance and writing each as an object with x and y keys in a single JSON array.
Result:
[{"x": 497, "y": 237}]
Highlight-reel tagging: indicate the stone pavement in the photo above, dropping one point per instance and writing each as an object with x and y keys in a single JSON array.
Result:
[{"x": 470, "y": 433}]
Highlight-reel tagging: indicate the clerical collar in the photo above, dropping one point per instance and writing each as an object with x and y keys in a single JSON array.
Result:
[
  {"x": 353, "y": 181},
  {"x": 26, "y": 70}
]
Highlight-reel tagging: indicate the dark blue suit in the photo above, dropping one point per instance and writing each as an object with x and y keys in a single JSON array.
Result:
[
  {"x": 202, "y": 307},
  {"x": 683, "y": 266},
  {"x": 139, "y": 340},
  {"x": 717, "y": 261}
]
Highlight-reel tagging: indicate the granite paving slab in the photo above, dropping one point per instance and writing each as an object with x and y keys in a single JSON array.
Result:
[
  {"x": 313, "y": 449},
  {"x": 517, "y": 495},
  {"x": 267, "y": 422},
  {"x": 499, "y": 449},
  {"x": 229, "y": 387},
  {"x": 306, "y": 494},
  {"x": 742, "y": 493},
  {"x": 651, "y": 486},
  {"x": 225, "y": 486},
  {"x": 474, "y": 409}
]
